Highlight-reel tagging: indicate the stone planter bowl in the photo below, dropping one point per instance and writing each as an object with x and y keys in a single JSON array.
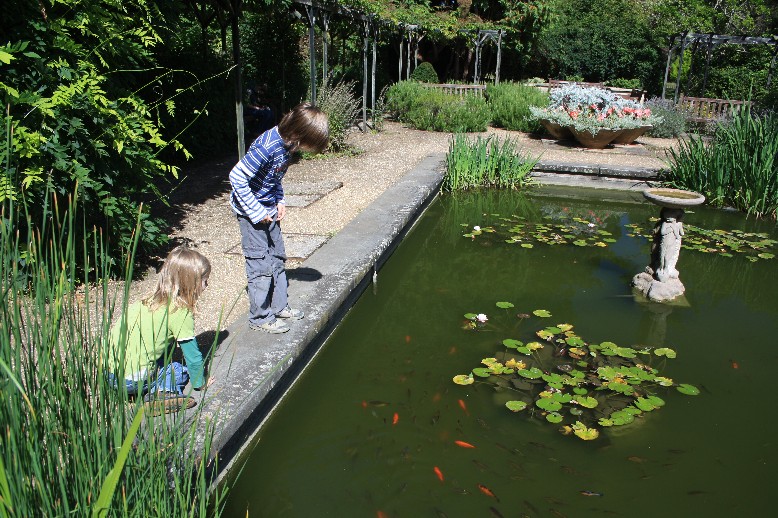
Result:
[
  {"x": 597, "y": 140},
  {"x": 673, "y": 198},
  {"x": 555, "y": 130},
  {"x": 628, "y": 136}
]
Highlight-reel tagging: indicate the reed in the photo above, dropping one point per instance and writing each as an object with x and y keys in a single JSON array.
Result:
[
  {"x": 738, "y": 168},
  {"x": 486, "y": 162},
  {"x": 68, "y": 446}
]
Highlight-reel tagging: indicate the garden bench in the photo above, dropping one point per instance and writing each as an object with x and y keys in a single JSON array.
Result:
[
  {"x": 460, "y": 90},
  {"x": 704, "y": 109},
  {"x": 553, "y": 83}
]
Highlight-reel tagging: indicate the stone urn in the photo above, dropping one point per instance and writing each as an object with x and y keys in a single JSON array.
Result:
[
  {"x": 557, "y": 131},
  {"x": 628, "y": 136},
  {"x": 595, "y": 140},
  {"x": 660, "y": 281}
]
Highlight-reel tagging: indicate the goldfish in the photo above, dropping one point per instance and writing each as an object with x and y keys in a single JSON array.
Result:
[
  {"x": 395, "y": 418},
  {"x": 380, "y": 514},
  {"x": 462, "y": 405},
  {"x": 438, "y": 473},
  {"x": 735, "y": 365},
  {"x": 407, "y": 339},
  {"x": 488, "y": 492},
  {"x": 463, "y": 444}
]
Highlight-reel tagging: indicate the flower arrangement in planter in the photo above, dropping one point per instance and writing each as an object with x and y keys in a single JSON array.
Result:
[{"x": 594, "y": 116}]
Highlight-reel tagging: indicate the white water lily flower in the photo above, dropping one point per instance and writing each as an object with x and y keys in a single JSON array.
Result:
[
  {"x": 481, "y": 317},
  {"x": 592, "y": 225},
  {"x": 476, "y": 227}
]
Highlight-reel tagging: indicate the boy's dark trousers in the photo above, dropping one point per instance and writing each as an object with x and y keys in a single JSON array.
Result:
[{"x": 263, "y": 248}]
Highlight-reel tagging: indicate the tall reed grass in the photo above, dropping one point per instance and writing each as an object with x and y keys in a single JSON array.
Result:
[
  {"x": 68, "y": 446},
  {"x": 738, "y": 167},
  {"x": 486, "y": 162}
]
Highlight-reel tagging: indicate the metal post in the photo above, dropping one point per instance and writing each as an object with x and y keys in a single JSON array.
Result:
[
  {"x": 667, "y": 68},
  {"x": 325, "y": 20},
  {"x": 312, "y": 49},
  {"x": 499, "y": 57},
  {"x": 708, "y": 49},
  {"x": 372, "y": 74},
  {"x": 238, "y": 86},
  {"x": 400, "y": 66},
  {"x": 365, "y": 43},
  {"x": 680, "y": 68}
]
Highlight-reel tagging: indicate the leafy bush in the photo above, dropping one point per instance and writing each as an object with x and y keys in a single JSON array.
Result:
[
  {"x": 673, "y": 123},
  {"x": 625, "y": 83},
  {"x": 425, "y": 73},
  {"x": 738, "y": 168},
  {"x": 485, "y": 162},
  {"x": 342, "y": 107},
  {"x": 429, "y": 109},
  {"x": 510, "y": 103}
]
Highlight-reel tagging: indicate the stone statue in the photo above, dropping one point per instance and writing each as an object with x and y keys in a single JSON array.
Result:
[{"x": 671, "y": 231}]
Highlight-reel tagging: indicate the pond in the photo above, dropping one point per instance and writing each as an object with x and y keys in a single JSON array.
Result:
[{"x": 371, "y": 428}]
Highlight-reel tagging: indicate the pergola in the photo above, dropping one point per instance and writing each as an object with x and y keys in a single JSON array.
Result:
[{"x": 681, "y": 42}]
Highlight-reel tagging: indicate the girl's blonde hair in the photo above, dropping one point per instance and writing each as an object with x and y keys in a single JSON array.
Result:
[
  {"x": 181, "y": 280},
  {"x": 306, "y": 127}
]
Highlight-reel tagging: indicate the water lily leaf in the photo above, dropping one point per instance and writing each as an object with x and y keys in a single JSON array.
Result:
[
  {"x": 513, "y": 364},
  {"x": 580, "y": 391},
  {"x": 548, "y": 404},
  {"x": 471, "y": 316},
  {"x": 766, "y": 255},
  {"x": 665, "y": 382},
  {"x": 576, "y": 411},
  {"x": 575, "y": 341},
  {"x": 534, "y": 346},
  {"x": 516, "y": 406},
  {"x": 543, "y": 313},
  {"x": 552, "y": 378},
  {"x": 464, "y": 379},
  {"x": 579, "y": 242},
  {"x": 587, "y": 401},
  {"x": 533, "y": 373},
  {"x": 561, "y": 397},
  {"x": 565, "y": 327},
  {"x": 689, "y": 390},
  {"x": 554, "y": 417},
  {"x": 583, "y": 432},
  {"x": 482, "y": 372},
  {"x": 527, "y": 245},
  {"x": 656, "y": 400},
  {"x": 553, "y": 330},
  {"x": 645, "y": 405},
  {"x": 605, "y": 422},
  {"x": 504, "y": 305},
  {"x": 543, "y": 334},
  {"x": 665, "y": 351},
  {"x": 625, "y": 352},
  {"x": 523, "y": 350},
  {"x": 510, "y": 343}
]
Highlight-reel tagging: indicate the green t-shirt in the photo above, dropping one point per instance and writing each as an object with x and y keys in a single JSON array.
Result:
[{"x": 148, "y": 336}]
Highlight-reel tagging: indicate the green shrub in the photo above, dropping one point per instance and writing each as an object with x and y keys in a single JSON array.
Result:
[
  {"x": 625, "y": 83},
  {"x": 485, "y": 162},
  {"x": 510, "y": 103},
  {"x": 738, "y": 168},
  {"x": 432, "y": 110},
  {"x": 342, "y": 108},
  {"x": 425, "y": 73},
  {"x": 673, "y": 123}
]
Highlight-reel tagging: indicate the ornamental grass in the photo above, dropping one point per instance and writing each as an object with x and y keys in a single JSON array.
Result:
[{"x": 486, "y": 162}]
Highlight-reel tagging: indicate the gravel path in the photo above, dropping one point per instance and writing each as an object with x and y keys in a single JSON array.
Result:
[{"x": 324, "y": 194}]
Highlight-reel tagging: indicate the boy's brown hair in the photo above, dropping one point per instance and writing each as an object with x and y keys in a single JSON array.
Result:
[{"x": 306, "y": 127}]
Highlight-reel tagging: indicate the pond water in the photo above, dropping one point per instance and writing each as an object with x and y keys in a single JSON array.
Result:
[{"x": 370, "y": 428}]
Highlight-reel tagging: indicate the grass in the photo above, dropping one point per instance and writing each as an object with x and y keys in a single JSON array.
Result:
[
  {"x": 68, "y": 445},
  {"x": 486, "y": 162},
  {"x": 737, "y": 168}
]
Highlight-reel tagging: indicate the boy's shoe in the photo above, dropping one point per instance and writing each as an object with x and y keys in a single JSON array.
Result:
[
  {"x": 163, "y": 402},
  {"x": 274, "y": 327},
  {"x": 287, "y": 312}
]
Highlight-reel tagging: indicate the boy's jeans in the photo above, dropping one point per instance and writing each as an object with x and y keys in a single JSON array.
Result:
[{"x": 263, "y": 248}]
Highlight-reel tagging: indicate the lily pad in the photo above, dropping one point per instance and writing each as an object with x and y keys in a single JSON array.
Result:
[
  {"x": 689, "y": 390},
  {"x": 548, "y": 404},
  {"x": 471, "y": 316},
  {"x": 464, "y": 379},
  {"x": 587, "y": 401},
  {"x": 533, "y": 373},
  {"x": 482, "y": 372},
  {"x": 665, "y": 351},
  {"x": 510, "y": 343},
  {"x": 542, "y": 313},
  {"x": 554, "y": 417},
  {"x": 583, "y": 432},
  {"x": 516, "y": 406},
  {"x": 504, "y": 305}
]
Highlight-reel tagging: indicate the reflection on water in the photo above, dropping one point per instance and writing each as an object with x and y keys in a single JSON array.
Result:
[{"x": 371, "y": 428}]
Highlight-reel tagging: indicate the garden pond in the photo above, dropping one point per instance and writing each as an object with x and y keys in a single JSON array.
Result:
[{"x": 448, "y": 389}]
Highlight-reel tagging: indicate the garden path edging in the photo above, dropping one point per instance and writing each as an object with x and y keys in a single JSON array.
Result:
[{"x": 254, "y": 369}]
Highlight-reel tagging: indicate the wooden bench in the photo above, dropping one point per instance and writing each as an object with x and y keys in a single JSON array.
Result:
[
  {"x": 704, "y": 109},
  {"x": 554, "y": 83},
  {"x": 459, "y": 90}
]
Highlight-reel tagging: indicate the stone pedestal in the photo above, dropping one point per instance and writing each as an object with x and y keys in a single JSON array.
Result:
[{"x": 660, "y": 281}]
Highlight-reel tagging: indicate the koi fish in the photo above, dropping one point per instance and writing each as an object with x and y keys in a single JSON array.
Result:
[
  {"x": 734, "y": 364},
  {"x": 463, "y": 444},
  {"x": 488, "y": 492},
  {"x": 364, "y": 404},
  {"x": 438, "y": 473},
  {"x": 380, "y": 514},
  {"x": 395, "y": 418},
  {"x": 586, "y": 492},
  {"x": 462, "y": 405},
  {"x": 407, "y": 339}
]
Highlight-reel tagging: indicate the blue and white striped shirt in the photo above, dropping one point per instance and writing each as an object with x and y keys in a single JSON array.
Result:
[{"x": 256, "y": 178}]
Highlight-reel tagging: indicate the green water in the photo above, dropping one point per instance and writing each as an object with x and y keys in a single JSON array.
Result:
[{"x": 331, "y": 448}]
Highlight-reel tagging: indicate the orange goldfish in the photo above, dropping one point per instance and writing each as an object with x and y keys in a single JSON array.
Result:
[
  {"x": 438, "y": 473},
  {"x": 395, "y": 418},
  {"x": 463, "y": 444}
]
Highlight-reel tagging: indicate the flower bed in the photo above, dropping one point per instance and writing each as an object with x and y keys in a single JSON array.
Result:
[{"x": 588, "y": 111}]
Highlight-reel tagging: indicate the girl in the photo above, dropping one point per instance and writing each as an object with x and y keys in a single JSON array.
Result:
[
  {"x": 258, "y": 201},
  {"x": 153, "y": 325}
]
